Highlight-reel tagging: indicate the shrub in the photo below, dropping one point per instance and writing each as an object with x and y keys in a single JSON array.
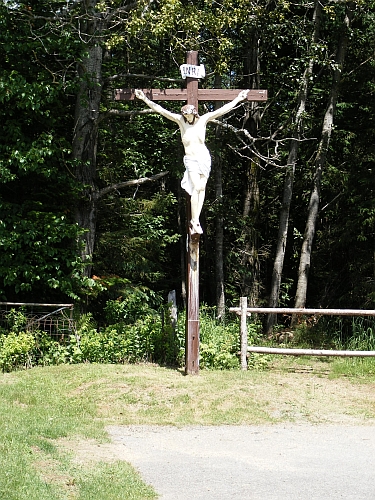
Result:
[
  {"x": 149, "y": 338},
  {"x": 16, "y": 350},
  {"x": 134, "y": 303},
  {"x": 220, "y": 342}
]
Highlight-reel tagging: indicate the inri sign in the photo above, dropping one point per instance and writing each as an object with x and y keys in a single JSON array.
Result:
[{"x": 191, "y": 71}]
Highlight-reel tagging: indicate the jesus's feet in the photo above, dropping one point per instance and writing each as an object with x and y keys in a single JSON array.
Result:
[{"x": 195, "y": 227}]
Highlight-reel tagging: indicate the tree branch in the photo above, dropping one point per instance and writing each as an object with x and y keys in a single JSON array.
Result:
[
  {"x": 242, "y": 133},
  {"x": 122, "y": 112},
  {"x": 147, "y": 77},
  {"x": 135, "y": 182}
]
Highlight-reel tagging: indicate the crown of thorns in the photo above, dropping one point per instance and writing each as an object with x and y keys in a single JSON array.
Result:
[{"x": 189, "y": 109}]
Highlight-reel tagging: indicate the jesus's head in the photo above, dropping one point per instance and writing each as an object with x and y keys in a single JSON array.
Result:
[{"x": 190, "y": 113}]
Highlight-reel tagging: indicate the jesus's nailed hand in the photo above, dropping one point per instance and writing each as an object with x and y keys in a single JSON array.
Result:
[
  {"x": 139, "y": 94},
  {"x": 243, "y": 94}
]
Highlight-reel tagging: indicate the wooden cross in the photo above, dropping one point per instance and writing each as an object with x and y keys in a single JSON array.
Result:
[{"x": 192, "y": 94}]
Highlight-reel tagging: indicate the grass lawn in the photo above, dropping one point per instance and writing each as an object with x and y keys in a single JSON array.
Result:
[{"x": 43, "y": 407}]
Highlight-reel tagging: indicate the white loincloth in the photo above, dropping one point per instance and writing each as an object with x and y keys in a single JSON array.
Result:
[{"x": 202, "y": 167}]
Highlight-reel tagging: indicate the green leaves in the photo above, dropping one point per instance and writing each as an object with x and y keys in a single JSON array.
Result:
[
  {"x": 36, "y": 250},
  {"x": 15, "y": 350}
]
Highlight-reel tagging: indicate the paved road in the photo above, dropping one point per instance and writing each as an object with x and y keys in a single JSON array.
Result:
[{"x": 294, "y": 462}]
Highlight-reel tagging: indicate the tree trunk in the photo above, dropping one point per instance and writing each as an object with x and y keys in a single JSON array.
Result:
[
  {"x": 250, "y": 258},
  {"x": 219, "y": 242},
  {"x": 289, "y": 179},
  {"x": 86, "y": 135},
  {"x": 219, "y": 224},
  {"x": 320, "y": 160},
  {"x": 182, "y": 231}
]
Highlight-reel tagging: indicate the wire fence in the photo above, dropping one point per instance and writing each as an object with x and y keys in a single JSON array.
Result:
[{"x": 54, "y": 319}]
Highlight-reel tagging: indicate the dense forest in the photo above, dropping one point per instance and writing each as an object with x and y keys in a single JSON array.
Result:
[{"x": 91, "y": 208}]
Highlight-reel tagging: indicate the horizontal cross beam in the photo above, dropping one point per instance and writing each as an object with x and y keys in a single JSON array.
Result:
[{"x": 182, "y": 94}]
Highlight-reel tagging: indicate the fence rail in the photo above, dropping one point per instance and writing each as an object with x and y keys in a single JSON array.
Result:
[
  {"x": 55, "y": 319},
  {"x": 301, "y": 312},
  {"x": 245, "y": 311},
  {"x": 310, "y": 352}
]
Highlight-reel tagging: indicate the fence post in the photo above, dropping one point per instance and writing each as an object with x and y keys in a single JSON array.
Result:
[
  {"x": 172, "y": 303},
  {"x": 243, "y": 306}
]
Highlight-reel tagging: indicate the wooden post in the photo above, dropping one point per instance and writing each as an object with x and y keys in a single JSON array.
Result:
[
  {"x": 243, "y": 306},
  {"x": 192, "y": 275},
  {"x": 192, "y": 83},
  {"x": 172, "y": 310},
  {"x": 192, "y": 288},
  {"x": 192, "y": 326}
]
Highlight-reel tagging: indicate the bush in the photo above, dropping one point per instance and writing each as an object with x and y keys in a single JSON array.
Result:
[
  {"x": 16, "y": 350},
  {"x": 48, "y": 351},
  {"x": 219, "y": 343},
  {"x": 149, "y": 338},
  {"x": 134, "y": 303}
]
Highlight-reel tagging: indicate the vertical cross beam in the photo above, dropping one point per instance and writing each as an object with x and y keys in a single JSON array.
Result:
[
  {"x": 192, "y": 257},
  {"x": 192, "y": 309},
  {"x": 192, "y": 83}
]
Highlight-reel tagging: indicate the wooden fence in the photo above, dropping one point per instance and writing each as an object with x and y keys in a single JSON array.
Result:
[{"x": 245, "y": 311}]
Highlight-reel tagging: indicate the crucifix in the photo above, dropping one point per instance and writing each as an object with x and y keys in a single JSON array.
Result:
[{"x": 197, "y": 161}]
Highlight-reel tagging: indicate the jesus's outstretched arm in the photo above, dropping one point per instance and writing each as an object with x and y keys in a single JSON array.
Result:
[
  {"x": 212, "y": 115},
  {"x": 174, "y": 117}
]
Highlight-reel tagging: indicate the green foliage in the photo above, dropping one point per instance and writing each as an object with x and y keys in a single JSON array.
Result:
[
  {"x": 16, "y": 320},
  {"x": 115, "y": 344},
  {"x": 149, "y": 338},
  {"x": 353, "y": 334},
  {"x": 132, "y": 304},
  {"x": 336, "y": 332},
  {"x": 246, "y": 44},
  {"x": 36, "y": 249},
  {"x": 219, "y": 343},
  {"x": 363, "y": 338},
  {"x": 135, "y": 244},
  {"x": 49, "y": 351},
  {"x": 15, "y": 350}
]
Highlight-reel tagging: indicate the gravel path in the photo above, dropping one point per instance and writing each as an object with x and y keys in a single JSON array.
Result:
[{"x": 293, "y": 462}]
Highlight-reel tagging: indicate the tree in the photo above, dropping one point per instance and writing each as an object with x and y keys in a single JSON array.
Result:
[
  {"x": 37, "y": 229},
  {"x": 298, "y": 134},
  {"x": 320, "y": 160}
]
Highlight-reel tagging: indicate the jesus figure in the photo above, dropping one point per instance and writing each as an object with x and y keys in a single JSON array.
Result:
[{"x": 197, "y": 159}]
